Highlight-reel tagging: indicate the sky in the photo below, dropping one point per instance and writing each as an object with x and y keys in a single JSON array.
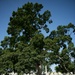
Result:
[{"x": 62, "y": 11}]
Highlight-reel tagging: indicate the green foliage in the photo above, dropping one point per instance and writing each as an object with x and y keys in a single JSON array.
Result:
[
  {"x": 27, "y": 20},
  {"x": 23, "y": 49},
  {"x": 64, "y": 48},
  {"x": 26, "y": 48}
]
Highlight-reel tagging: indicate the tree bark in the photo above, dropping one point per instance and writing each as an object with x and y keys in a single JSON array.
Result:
[
  {"x": 64, "y": 64},
  {"x": 39, "y": 70}
]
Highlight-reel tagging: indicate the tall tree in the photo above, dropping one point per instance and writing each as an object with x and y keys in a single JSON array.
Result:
[
  {"x": 26, "y": 49},
  {"x": 23, "y": 48}
]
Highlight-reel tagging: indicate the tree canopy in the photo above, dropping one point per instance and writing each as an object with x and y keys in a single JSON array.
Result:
[{"x": 26, "y": 48}]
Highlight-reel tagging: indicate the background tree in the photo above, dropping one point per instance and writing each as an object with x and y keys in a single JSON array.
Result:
[{"x": 60, "y": 46}]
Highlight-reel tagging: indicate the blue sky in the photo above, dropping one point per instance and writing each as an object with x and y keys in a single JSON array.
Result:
[{"x": 63, "y": 12}]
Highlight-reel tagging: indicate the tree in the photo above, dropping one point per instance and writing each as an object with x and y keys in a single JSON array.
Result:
[
  {"x": 25, "y": 40},
  {"x": 26, "y": 49},
  {"x": 61, "y": 46}
]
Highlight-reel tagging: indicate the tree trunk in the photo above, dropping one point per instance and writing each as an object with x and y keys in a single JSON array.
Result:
[{"x": 39, "y": 70}]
